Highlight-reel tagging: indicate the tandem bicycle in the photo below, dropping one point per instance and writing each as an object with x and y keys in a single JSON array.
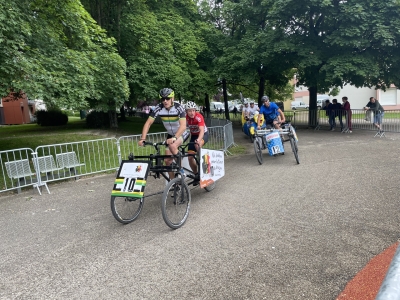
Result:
[{"x": 127, "y": 197}]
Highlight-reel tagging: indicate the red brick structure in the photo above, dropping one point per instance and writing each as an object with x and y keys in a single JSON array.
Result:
[{"x": 14, "y": 109}]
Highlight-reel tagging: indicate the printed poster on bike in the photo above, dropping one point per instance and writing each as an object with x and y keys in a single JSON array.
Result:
[
  {"x": 211, "y": 166},
  {"x": 131, "y": 179}
]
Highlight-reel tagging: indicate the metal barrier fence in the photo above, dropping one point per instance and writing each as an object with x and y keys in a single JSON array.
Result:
[
  {"x": 359, "y": 119},
  {"x": 17, "y": 169},
  {"x": 129, "y": 144},
  {"x": 25, "y": 167},
  {"x": 228, "y": 136},
  {"x": 69, "y": 160}
]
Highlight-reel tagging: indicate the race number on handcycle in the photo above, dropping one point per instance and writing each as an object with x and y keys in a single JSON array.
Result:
[{"x": 131, "y": 179}]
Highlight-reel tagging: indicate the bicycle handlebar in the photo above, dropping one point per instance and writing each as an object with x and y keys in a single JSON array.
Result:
[
  {"x": 164, "y": 143},
  {"x": 154, "y": 144}
]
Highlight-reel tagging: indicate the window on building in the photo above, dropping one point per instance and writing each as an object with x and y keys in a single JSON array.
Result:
[{"x": 389, "y": 97}]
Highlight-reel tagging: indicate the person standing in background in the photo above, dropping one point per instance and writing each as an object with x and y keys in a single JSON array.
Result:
[
  {"x": 347, "y": 112},
  {"x": 337, "y": 112},
  {"x": 330, "y": 114},
  {"x": 376, "y": 107}
]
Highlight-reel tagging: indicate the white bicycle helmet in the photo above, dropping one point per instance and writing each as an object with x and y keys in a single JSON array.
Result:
[{"x": 190, "y": 105}]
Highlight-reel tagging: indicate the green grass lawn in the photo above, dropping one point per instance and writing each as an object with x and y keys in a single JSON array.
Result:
[{"x": 33, "y": 135}]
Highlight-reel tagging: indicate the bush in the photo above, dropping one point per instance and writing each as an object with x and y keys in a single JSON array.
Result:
[
  {"x": 51, "y": 117},
  {"x": 97, "y": 119}
]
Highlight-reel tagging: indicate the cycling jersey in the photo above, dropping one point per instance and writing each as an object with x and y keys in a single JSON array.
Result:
[
  {"x": 270, "y": 113},
  {"x": 252, "y": 111},
  {"x": 194, "y": 123},
  {"x": 170, "y": 118}
]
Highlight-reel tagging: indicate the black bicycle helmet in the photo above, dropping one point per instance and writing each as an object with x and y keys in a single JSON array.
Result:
[
  {"x": 166, "y": 93},
  {"x": 264, "y": 99}
]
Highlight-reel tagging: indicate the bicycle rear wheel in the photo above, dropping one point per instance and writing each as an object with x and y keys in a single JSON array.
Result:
[
  {"x": 175, "y": 203},
  {"x": 293, "y": 144},
  {"x": 258, "y": 149},
  {"x": 126, "y": 209},
  {"x": 210, "y": 187}
]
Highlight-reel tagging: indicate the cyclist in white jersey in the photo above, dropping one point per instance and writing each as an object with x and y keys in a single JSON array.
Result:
[
  {"x": 252, "y": 109},
  {"x": 173, "y": 117}
]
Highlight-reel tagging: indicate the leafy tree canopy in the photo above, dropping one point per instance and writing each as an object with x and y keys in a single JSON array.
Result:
[
  {"x": 160, "y": 42},
  {"x": 52, "y": 49}
]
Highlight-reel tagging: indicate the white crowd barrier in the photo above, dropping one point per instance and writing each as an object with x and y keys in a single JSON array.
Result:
[
  {"x": 358, "y": 119},
  {"x": 25, "y": 167}
]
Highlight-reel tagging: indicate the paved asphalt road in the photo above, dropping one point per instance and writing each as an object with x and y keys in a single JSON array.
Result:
[{"x": 272, "y": 231}]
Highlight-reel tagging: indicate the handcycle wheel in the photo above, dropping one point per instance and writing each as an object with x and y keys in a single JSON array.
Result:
[
  {"x": 175, "y": 203},
  {"x": 126, "y": 209},
  {"x": 258, "y": 149},
  {"x": 293, "y": 144}
]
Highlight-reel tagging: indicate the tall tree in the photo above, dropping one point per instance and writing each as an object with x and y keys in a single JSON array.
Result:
[
  {"x": 339, "y": 42},
  {"x": 51, "y": 51},
  {"x": 249, "y": 60},
  {"x": 160, "y": 43}
]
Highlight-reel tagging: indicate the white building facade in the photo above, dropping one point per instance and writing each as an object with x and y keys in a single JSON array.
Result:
[{"x": 358, "y": 97}]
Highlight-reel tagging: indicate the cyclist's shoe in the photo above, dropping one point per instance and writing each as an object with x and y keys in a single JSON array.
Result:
[{"x": 196, "y": 182}]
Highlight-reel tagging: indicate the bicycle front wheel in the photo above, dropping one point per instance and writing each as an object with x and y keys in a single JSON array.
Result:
[
  {"x": 258, "y": 149},
  {"x": 126, "y": 209},
  {"x": 175, "y": 203},
  {"x": 293, "y": 144}
]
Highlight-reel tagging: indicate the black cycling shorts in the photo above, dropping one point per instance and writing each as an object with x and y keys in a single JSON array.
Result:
[
  {"x": 184, "y": 136},
  {"x": 192, "y": 147}
]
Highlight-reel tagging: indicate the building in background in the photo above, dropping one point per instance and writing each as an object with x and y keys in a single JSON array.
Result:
[
  {"x": 358, "y": 97},
  {"x": 15, "y": 110}
]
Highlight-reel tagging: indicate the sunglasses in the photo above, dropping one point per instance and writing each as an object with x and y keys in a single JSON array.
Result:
[{"x": 167, "y": 98}]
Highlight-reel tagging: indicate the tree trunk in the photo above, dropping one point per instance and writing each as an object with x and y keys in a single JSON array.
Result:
[
  {"x": 118, "y": 34},
  {"x": 224, "y": 92},
  {"x": 122, "y": 112},
  {"x": 112, "y": 115},
  {"x": 207, "y": 104},
  {"x": 261, "y": 87},
  {"x": 313, "y": 113}
]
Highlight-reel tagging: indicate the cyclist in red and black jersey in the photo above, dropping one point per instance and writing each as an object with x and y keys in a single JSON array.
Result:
[{"x": 198, "y": 132}]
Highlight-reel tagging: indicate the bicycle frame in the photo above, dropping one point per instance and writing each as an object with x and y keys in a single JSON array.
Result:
[{"x": 156, "y": 167}]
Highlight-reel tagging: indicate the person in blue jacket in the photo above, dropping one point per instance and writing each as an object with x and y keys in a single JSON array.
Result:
[{"x": 273, "y": 115}]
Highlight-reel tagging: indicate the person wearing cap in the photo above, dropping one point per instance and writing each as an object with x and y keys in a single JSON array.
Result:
[{"x": 273, "y": 115}]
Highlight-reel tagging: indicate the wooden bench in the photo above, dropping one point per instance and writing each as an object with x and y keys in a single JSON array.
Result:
[
  {"x": 68, "y": 160},
  {"x": 21, "y": 170}
]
